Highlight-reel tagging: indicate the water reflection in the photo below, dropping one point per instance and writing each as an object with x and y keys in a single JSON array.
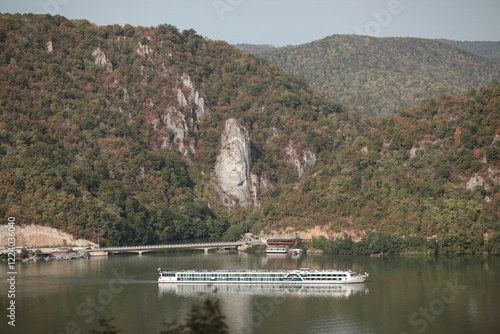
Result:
[
  {"x": 222, "y": 290},
  {"x": 258, "y": 308}
]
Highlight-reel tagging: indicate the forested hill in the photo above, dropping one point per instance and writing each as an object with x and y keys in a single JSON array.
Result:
[
  {"x": 383, "y": 76},
  {"x": 151, "y": 134},
  {"x": 255, "y": 48},
  {"x": 117, "y": 129},
  {"x": 487, "y": 49},
  {"x": 434, "y": 170}
]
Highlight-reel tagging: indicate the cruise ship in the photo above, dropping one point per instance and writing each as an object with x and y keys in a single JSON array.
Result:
[{"x": 263, "y": 276}]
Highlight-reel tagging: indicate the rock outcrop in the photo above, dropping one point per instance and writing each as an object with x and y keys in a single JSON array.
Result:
[
  {"x": 101, "y": 60},
  {"x": 233, "y": 164},
  {"x": 144, "y": 49},
  {"x": 180, "y": 123},
  {"x": 175, "y": 121},
  {"x": 193, "y": 96},
  {"x": 475, "y": 181},
  {"x": 301, "y": 162},
  {"x": 50, "y": 47}
]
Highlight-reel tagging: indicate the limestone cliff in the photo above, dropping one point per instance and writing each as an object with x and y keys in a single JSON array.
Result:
[
  {"x": 192, "y": 96},
  {"x": 179, "y": 123},
  {"x": 100, "y": 59},
  {"x": 233, "y": 164},
  {"x": 175, "y": 121},
  {"x": 301, "y": 162},
  {"x": 258, "y": 185}
]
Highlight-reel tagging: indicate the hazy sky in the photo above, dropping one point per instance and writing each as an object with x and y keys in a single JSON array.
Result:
[{"x": 283, "y": 22}]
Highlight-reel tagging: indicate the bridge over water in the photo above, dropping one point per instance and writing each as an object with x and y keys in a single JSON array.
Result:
[{"x": 103, "y": 251}]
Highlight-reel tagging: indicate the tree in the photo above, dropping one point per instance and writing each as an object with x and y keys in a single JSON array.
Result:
[
  {"x": 234, "y": 233},
  {"x": 204, "y": 318},
  {"x": 493, "y": 244}
]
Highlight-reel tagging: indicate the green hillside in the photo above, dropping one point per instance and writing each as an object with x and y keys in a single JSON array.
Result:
[
  {"x": 383, "y": 76},
  {"x": 87, "y": 142},
  {"x": 118, "y": 130},
  {"x": 431, "y": 171}
]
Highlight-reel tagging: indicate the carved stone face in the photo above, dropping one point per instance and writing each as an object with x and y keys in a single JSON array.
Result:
[
  {"x": 233, "y": 162},
  {"x": 235, "y": 167}
]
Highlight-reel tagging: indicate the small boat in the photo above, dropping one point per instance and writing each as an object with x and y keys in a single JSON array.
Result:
[
  {"x": 263, "y": 276},
  {"x": 377, "y": 255},
  {"x": 282, "y": 250},
  {"x": 295, "y": 251}
]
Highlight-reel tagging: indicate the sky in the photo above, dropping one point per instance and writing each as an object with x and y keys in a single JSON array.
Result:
[{"x": 286, "y": 22}]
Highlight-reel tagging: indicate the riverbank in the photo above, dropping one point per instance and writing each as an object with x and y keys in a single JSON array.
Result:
[{"x": 42, "y": 236}]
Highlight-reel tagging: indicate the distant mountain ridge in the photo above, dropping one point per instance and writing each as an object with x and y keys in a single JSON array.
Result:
[
  {"x": 256, "y": 48},
  {"x": 487, "y": 49},
  {"x": 382, "y": 76}
]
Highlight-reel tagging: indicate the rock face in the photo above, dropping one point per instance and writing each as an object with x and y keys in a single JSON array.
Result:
[
  {"x": 474, "y": 182},
  {"x": 50, "y": 47},
  {"x": 302, "y": 163},
  {"x": 174, "y": 120},
  {"x": 144, "y": 49},
  {"x": 42, "y": 236},
  {"x": 101, "y": 60},
  {"x": 232, "y": 167},
  {"x": 193, "y": 96}
]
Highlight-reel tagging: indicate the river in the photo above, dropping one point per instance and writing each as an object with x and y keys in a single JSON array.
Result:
[{"x": 417, "y": 294}]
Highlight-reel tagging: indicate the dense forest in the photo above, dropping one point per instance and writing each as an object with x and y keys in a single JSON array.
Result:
[
  {"x": 434, "y": 170},
  {"x": 383, "y": 76},
  {"x": 88, "y": 144},
  {"x": 487, "y": 49}
]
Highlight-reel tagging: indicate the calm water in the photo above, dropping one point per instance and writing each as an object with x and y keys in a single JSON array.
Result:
[{"x": 403, "y": 295}]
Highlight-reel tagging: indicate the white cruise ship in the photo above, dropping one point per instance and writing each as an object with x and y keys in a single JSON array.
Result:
[{"x": 263, "y": 276}]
